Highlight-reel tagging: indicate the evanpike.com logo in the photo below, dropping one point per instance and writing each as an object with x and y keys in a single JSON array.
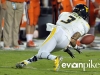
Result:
[{"x": 74, "y": 65}]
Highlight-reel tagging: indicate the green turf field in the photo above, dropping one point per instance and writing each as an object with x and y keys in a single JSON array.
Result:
[{"x": 8, "y": 60}]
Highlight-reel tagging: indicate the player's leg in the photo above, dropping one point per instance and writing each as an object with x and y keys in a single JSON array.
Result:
[
  {"x": 57, "y": 37},
  {"x": 44, "y": 52},
  {"x": 92, "y": 22},
  {"x": 47, "y": 47},
  {"x": 29, "y": 36},
  {"x": 36, "y": 17},
  {"x": 60, "y": 40},
  {"x": 30, "y": 26}
]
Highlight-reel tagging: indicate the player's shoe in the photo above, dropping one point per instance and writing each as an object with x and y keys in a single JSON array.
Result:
[
  {"x": 18, "y": 48},
  {"x": 20, "y": 42},
  {"x": 57, "y": 62},
  {"x": 7, "y": 48},
  {"x": 22, "y": 64},
  {"x": 31, "y": 44}
]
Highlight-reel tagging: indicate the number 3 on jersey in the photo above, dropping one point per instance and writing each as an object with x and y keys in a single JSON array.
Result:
[{"x": 71, "y": 18}]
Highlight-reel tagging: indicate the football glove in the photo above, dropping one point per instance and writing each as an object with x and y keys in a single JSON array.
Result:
[
  {"x": 69, "y": 52},
  {"x": 78, "y": 49}
]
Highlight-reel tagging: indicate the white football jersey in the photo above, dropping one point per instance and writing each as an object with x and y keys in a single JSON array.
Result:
[{"x": 72, "y": 23}]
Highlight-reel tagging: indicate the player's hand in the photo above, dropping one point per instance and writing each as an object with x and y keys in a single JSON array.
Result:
[
  {"x": 78, "y": 49},
  {"x": 69, "y": 52}
]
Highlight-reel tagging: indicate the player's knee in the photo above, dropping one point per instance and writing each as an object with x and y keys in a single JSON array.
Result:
[{"x": 42, "y": 55}]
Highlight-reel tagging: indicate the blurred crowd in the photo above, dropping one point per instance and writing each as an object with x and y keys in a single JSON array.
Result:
[{"x": 16, "y": 14}]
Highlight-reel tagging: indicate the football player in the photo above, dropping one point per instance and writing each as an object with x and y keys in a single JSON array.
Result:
[
  {"x": 33, "y": 16},
  {"x": 68, "y": 28},
  {"x": 93, "y": 12}
]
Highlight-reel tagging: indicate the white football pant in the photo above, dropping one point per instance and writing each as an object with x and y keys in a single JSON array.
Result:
[{"x": 57, "y": 38}]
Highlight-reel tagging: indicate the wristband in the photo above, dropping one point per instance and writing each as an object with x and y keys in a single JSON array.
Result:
[{"x": 76, "y": 47}]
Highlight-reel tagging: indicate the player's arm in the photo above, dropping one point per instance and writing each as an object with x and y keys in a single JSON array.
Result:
[
  {"x": 74, "y": 39},
  {"x": 69, "y": 52}
]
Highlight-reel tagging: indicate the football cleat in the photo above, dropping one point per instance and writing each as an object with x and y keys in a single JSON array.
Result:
[
  {"x": 57, "y": 62},
  {"x": 20, "y": 42},
  {"x": 22, "y": 64},
  {"x": 31, "y": 44}
]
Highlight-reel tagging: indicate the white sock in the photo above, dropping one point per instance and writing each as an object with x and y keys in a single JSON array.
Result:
[
  {"x": 51, "y": 57},
  {"x": 91, "y": 31},
  {"x": 31, "y": 36},
  {"x": 46, "y": 55},
  {"x": 28, "y": 37}
]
